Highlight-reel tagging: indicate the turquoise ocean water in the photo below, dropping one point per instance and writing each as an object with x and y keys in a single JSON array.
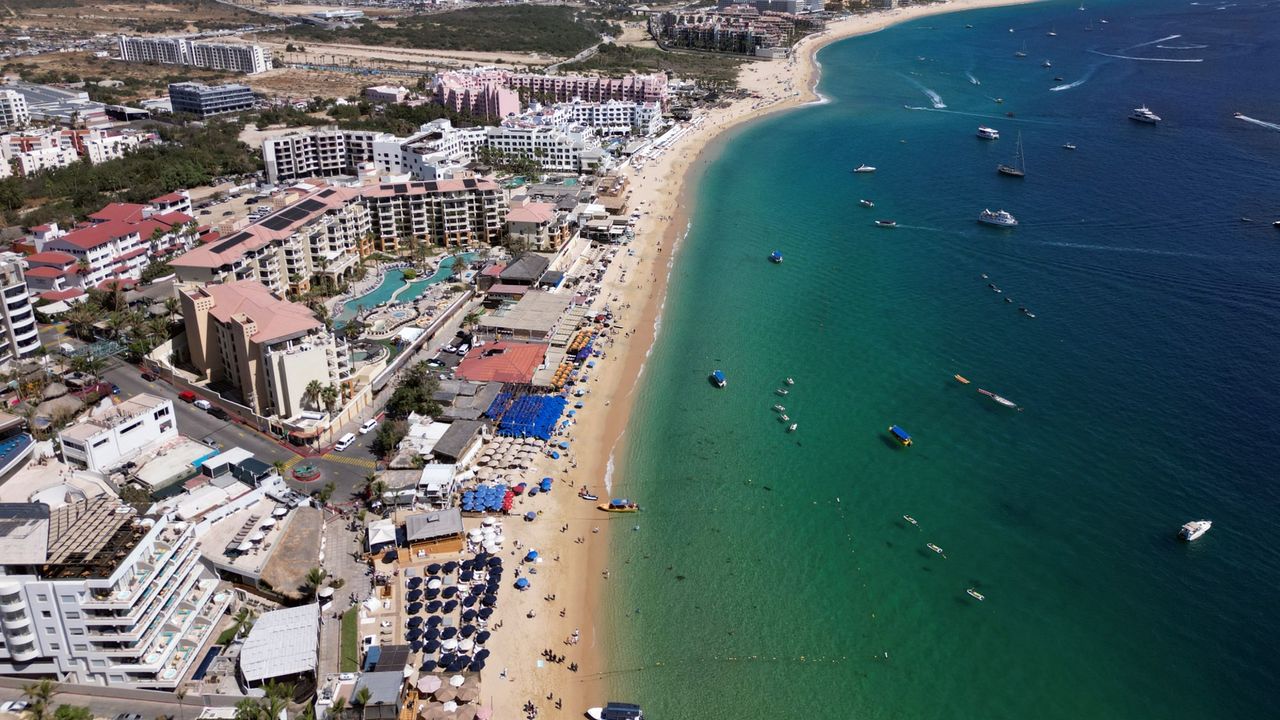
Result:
[{"x": 772, "y": 574}]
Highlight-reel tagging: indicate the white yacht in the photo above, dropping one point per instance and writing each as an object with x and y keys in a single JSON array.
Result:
[
  {"x": 1144, "y": 115},
  {"x": 1194, "y": 530},
  {"x": 1001, "y": 218},
  {"x": 864, "y": 169},
  {"x": 987, "y": 133}
]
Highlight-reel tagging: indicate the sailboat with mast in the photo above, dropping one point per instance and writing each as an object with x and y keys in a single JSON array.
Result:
[
  {"x": 1019, "y": 167},
  {"x": 1023, "y": 52}
]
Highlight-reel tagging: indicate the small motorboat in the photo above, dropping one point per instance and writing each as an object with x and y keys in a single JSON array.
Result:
[
  {"x": 985, "y": 276},
  {"x": 866, "y": 203},
  {"x": 994, "y": 288},
  {"x": 864, "y": 169},
  {"x": 586, "y": 494},
  {"x": 1046, "y": 64},
  {"x": 775, "y": 257},
  {"x": 618, "y": 505},
  {"x": 792, "y": 427},
  {"x": 902, "y": 436},
  {"x": 962, "y": 379},
  {"x": 1002, "y": 400},
  {"x": 911, "y": 520},
  {"x": 1237, "y": 115},
  {"x": 789, "y": 381},
  {"x": 1069, "y": 146},
  {"x": 999, "y": 101},
  {"x": 616, "y": 711},
  {"x": 987, "y": 133},
  {"x": 779, "y": 409},
  {"x": 1026, "y": 312},
  {"x": 717, "y": 378},
  {"x": 887, "y": 223},
  {"x": 783, "y": 418},
  {"x": 934, "y": 548},
  {"x": 1194, "y": 530},
  {"x": 976, "y": 595},
  {"x": 782, "y": 391},
  {"x": 1009, "y": 300}
]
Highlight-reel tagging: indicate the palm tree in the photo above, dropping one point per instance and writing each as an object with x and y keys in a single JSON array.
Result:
[
  {"x": 338, "y": 708},
  {"x": 312, "y": 391},
  {"x": 280, "y": 467},
  {"x": 361, "y": 698},
  {"x": 181, "y": 694},
  {"x": 40, "y": 695},
  {"x": 171, "y": 307},
  {"x": 315, "y": 576},
  {"x": 330, "y": 395}
]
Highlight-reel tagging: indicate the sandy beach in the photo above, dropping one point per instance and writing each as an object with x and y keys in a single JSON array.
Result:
[{"x": 635, "y": 286}]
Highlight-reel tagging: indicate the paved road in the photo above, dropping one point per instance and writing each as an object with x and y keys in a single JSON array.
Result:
[
  {"x": 110, "y": 707},
  {"x": 347, "y": 470}
]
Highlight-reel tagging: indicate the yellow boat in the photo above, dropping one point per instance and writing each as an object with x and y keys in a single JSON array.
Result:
[
  {"x": 619, "y": 506},
  {"x": 962, "y": 379}
]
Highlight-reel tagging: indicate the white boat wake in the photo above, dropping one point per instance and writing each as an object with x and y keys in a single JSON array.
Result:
[
  {"x": 972, "y": 79},
  {"x": 934, "y": 97},
  {"x": 1259, "y": 123},
  {"x": 1150, "y": 42},
  {"x": 1002, "y": 118},
  {"x": 1146, "y": 59},
  {"x": 1075, "y": 83},
  {"x": 1182, "y": 47}
]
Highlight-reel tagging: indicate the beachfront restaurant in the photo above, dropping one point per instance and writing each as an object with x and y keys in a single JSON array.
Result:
[{"x": 434, "y": 532}]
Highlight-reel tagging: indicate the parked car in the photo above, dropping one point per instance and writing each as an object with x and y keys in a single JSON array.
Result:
[
  {"x": 345, "y": 442},
  {"x": 203, "y": 404},
  {"x": 149, "y": 376},
  {"x": 128, "y": 716},
  {"x": 14, "y": 706},
  {"x": 219, "y": 413},
  {"x": 186, "y": 396},
  {"x": 115, "y": 389},
  {"x": 368, "y": 425}
]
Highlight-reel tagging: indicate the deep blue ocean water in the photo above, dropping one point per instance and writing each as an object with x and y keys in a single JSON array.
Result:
[{"x": 772, "y": 574}]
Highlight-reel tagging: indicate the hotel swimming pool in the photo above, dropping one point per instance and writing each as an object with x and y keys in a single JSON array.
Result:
[{"x": 390, "y": 287}]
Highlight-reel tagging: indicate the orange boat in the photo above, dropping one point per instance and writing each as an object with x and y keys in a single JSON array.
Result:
[{"x": 962, "y": 379}]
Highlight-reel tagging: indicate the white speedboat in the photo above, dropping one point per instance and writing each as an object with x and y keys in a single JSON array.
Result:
[
  {"x": 864, "y": 169},
  {"x": 976, "y": 595},
  {"x": 616, "y": 711},
  {"x": 1046, "y": 64},
  {"x": 934, "y": 548},
  {"x": 790, "y": 381},
  {"x": 792, "y": 427},
  {"x": 987, "y": 133},
  {"x": 1000, "y": 218},
  {"x": 782, "y": 391},
  {"x": 911, "y": 520},
  {"x": 1144, "y": 115},
  {"x": 779, "y": 409},
  {"x": 1002, "y": 400},
  {"x": 866, "y": 203},
  {"x": 1194, "y": 530}
]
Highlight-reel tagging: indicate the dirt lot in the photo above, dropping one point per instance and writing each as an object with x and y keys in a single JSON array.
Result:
[
  {"x": 355, "y": 54},
  {"x": 298, "y": 83},
  {"x": 85, "y": 16}
]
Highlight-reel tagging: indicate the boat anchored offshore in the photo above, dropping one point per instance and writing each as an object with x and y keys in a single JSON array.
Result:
[
  {"x": 864, "y": 169},
  {"x": 987, "y": 133},
  {"x": 775, "y": 257},
  {"x": 1194, "y": 530},
  {"x": 1144, "y": 115},
  {"x": 866, "y": 203},
  {"x": 789, "y": 381},
  {"x": 911, "y": 520},
  {"x": 1069, "y": 146},
  {"x": 779, "y": 409},
  {"x": 902, "y": 436},
  {"x": 1019, "y": 167},
  {"x": 961, "y": 379},
  {"x": 976, "y": 595},
  {"x": 1046, "y": 64},
  {"x": 616, "y": 711},
  {"x": 792, "y": 427},
  {"x": 1000, "y": 218},
  {"x": 717, "y": 378},
  {"x": 934, "y": 548},
  {"x": 619, "y": 505},
  {"x": 1002, "y": 400},
  {"x": 887, "y": 223},
  {"x": 782, "y": 391}
]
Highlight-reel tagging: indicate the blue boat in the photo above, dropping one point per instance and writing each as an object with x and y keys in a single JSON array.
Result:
[
  {"x": 775, "y": 257},
  {"x": 902, "y": 436},
  {"x": 717, "y": 379}
]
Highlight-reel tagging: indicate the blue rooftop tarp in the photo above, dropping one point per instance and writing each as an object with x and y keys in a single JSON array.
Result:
[{"x": 527, "y": 415}]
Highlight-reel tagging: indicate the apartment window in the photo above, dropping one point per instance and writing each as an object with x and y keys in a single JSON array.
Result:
[
  {"x": 99, "y": 663},
  {"x": 46, "y": 614},
  {"x": 73, "y": 616},
  {"x": 41, "y": 597},
  {"x": 77, "y": 631},
  {"x": 55, "y": 646},
  {"x": 100, "y": 443},
  {"x": 50, "y": 631},
  {"x": 80, "y": 647},
  {"x": 130, "y": 427}
]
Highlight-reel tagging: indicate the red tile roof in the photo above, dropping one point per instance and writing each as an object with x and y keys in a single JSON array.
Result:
[
  {"x": 56, "y": 295},
  {"x": 173, "y": 218},
  {"x": 211, "y": 236},
  {"x": 169, "y": 199},
  {"x": 100, "y": 234},
  {"x": 502, "y": 362},
  {"x": 532, "y": 213},
  {"x": 45, "y": 271},
  {"x": 41, "y": 228},
  {"x": 125, "y": 283},
  {"x": 52, "y": 257},
  {"x": 276, "y": 319},
  {"x": 128, "y": 212}
]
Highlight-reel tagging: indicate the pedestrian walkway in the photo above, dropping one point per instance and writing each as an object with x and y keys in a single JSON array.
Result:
[
  {"x": 292, "y": 461},
  {"x": 358, "y": 462}
]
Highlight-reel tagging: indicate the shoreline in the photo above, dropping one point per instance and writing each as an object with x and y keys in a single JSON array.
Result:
[{"x": 635, "y": 286}]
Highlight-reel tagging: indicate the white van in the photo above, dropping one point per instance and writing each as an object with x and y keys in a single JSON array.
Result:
[{"x": 345, "y": 442}]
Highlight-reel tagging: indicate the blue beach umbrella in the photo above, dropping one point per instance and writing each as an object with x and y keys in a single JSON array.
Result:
[
  {"x": 432, "y": 594},
  {"x": 555, "y": 455},
  {"x": 530, "y": 516},
  {"x": 466, "y": 576},
  {"x": 434, "y": 606},
  {"x": 468, "y": 630},
  {"x": 432, "y": 633},
  {"x": 415, "y": 621},
  {"x": 434, "y": 621},
  {"x": 494, "y": 562},
  {"x": 468, "y": 601},
  {"x": 450, "y": 606},
  {"x": 450, "y": 566},
  {"x": 415, "y": 646},
  {"x": 468, "y": 615},
  {"x": 413, "y": 634},
  {"x": 449, "y": 592},
  {"x": 482, "y": 637},
  {"x": 533, "y": 555},
  {"x": 414, "y": 582},
  {"x": 428, "y": 665},
  {"x": 413, "y": 608},
  {"x": 521, "y": 584},
  {"x": 448, "y": 633},
  {"x": 431, "y": 646},
  {"x": 476, "y": 666},
  {"x": 490, "y": 599},
  {"x": 485, "y": 612},
  {"x": 433, "y": 568},
  {"x": 414, "y": 595}
]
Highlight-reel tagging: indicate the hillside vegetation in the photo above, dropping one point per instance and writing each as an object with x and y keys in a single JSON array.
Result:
[
  {"x": 712, "y": 71},
  {"x": 551, "y": 29}
]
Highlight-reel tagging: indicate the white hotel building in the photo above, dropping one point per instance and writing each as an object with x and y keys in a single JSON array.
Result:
[
  {"x": 250, "y": 59},
  {"x": 109, "y": 438},
  {"x": 92, "y": 593}
]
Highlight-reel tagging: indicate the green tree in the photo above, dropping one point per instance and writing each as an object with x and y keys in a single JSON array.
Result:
[
  {"x": 331, "y": 395},
  {"x": 326, "y": 492},
  {"x": 312, "y": 392},
  {"x": 40, "y": 694},
  {"x": 361, "y": 698},
  {"x": 73, "y": 712},
  {"x": 388, "y": 436},
  {"x": 313, "y": 580},
  {"x": 338, "y": 708}
]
